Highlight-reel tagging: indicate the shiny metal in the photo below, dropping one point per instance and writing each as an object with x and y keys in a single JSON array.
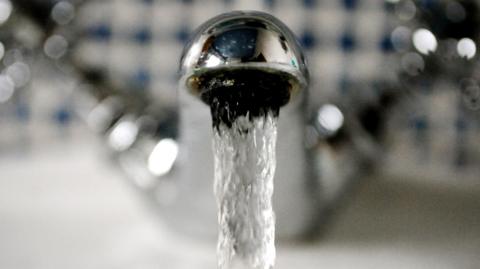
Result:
[
  {"x": 231, "y": 42},
  {"x": 168, "y": 156},
  {"x": 243, "y": 40},
  {"x": 339, "y": 146}
]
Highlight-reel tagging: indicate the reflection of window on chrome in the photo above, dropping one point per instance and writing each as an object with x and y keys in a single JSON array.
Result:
[
  {"x": 424, "y": 41},
  {"x": 123, "y": 135},
  {"x": 330, "y": 119},
  {"x": 162, "y": 157},
  {"x": 5, "y": 10},
  {"x": 466, "y": 48},
  {"x": 7, "y": 88}
]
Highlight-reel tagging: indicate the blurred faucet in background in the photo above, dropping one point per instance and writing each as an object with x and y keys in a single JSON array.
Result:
[{"x": 399, "y": 97}]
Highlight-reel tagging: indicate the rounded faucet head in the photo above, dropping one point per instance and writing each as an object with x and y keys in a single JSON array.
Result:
[{"x": 253, "y": 44}]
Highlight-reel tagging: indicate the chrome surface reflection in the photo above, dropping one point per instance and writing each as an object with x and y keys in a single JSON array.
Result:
[{"x": 243, "y": 39}]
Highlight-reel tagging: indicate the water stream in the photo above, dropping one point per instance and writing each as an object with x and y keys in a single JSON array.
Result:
[
  {"x": 244, "y": 154},
  {"x": 245, "y": 105}
]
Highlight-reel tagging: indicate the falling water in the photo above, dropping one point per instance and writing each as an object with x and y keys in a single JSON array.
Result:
[
  {"x": 245, "y": 105},
  {"x": 244, "y": 169}
]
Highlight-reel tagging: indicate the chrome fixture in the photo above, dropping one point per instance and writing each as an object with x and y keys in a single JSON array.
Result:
[
  {"x": 164, "y": 146},
  {"x": 243, "y": 41},
  {"x": 261, "y": 45}
]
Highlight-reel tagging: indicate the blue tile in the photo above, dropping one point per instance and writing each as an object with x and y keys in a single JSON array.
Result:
[
  {"x": 428, "y": 4},
  {"x": 347, "y": 42},
  {"x": 100, "y": 32},
  {"x": 62, "y": 116},
  {"x": 22, "y": 112},
  {"x": 386, "y": 44},
  {"x": 143, "y": 36},
  {"x": 350, "y": 4},
  {"x": 183, "y": 34},
  {"x": 309, "y": 3},
  {"x": 389, "y": 6},
  {"x": 308, "y": 40},
  {"x": 269, "y": 3},
  {"x": 141, "y": 79},
  {"x": 420, "y": 124}
]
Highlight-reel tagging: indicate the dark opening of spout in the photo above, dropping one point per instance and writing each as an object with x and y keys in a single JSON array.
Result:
[{"x": 243, "y": 92}]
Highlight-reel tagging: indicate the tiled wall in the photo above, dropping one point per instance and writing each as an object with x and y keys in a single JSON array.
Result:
[
  {"x": 348, "y": 45},
  {"x": 140, "y": 42}
]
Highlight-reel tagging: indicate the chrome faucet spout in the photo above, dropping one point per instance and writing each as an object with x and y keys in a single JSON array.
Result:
[
  {"x": 243, "y": 62},
  {"x": 246, "y": 64}
]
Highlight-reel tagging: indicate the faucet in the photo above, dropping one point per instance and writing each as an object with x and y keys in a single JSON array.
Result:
[
  {"x": 260, "y": 53},
  {"x": 254, "y": 50},
  {"x": 316, "y": 148},
  {"x": 172, "y": 163},
  {"x": 167, "y": 152}
]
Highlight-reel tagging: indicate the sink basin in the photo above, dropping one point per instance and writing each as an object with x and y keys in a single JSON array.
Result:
[{"x": 62, "y": 206}]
